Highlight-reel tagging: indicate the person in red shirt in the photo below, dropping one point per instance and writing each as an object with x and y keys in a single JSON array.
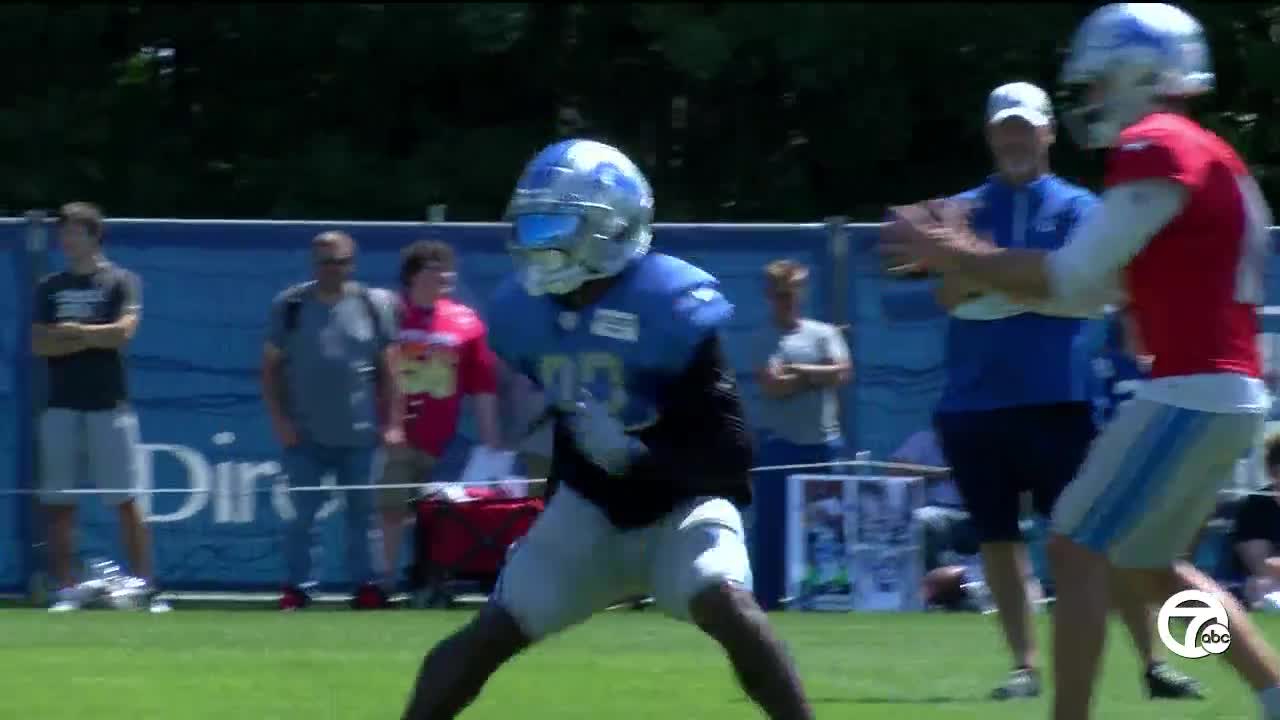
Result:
[
  {"x": 445, "y": 355},
  {"x": 1182, "y": 231}
]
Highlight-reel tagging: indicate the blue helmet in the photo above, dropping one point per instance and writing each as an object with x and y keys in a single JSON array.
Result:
[
  {"x": 1124, "y": 59},
  {"x": 580, "y": 211}
]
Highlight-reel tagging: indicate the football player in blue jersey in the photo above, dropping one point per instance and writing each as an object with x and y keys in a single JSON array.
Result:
[{"x": 650, "y": 458}]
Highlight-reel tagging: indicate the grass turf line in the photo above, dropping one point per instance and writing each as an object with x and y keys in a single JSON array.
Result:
[{"x": 215, "y": 665}]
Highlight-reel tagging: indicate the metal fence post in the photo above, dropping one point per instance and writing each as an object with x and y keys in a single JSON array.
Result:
[
  {"x": 838, "y": 249},
  {"x": 838, "y": 309},
  {"x": 30, "y": 400}
]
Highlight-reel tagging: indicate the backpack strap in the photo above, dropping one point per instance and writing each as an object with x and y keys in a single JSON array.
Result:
[
  {"x": 371, "y": 308},
  {"x": 293, "y": 306}
]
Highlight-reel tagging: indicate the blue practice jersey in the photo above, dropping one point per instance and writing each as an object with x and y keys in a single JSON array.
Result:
[
  {"x": 636, "y": 350},
  {"x": 1028, "y": 358}
]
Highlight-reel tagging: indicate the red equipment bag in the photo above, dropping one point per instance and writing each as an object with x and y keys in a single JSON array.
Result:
[{"x": 470, "y": 539}]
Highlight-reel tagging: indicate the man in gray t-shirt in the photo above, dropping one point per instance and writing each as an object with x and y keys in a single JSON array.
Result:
[
  {"x": 331, "y": 386},
  {"x": 796, "y": 404},
  {"x": 800, "y": 365}
]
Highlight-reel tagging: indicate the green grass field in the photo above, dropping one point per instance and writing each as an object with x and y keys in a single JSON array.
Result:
[{"x": 259, "y": 665}]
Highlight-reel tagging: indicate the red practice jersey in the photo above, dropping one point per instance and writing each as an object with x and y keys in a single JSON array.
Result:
[
  {"x": 444, "y": 354},
  {"x": 1195, "y": 287}
]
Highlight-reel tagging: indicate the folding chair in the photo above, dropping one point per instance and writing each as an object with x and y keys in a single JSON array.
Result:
[{"x": 460, "y": 547}]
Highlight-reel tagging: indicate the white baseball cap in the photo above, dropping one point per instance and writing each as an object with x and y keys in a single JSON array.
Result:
[{"x": 1022, "y": 100}]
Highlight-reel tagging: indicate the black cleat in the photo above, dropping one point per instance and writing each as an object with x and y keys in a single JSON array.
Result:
[
  {"x": 1166, "y": 682},
  {"x": 1021, "y": 683}
]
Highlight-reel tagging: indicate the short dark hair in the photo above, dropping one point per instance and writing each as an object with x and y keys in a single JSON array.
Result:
[
  {"x": 1272, "y": 456},
  {"x": 87, "y": 215},
  {"x": 421, "y": 254}
]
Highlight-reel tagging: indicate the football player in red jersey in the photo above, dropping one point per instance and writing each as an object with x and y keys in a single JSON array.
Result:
[
  {"x": 1182, "y": 233},
  {"x": 444, "y": 355}
]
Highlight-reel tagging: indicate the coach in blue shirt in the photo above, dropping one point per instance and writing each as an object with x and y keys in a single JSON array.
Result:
[{"x": 1017, "y": 414}]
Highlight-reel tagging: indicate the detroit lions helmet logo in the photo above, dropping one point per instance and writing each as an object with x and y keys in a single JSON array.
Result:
[
  {"x": 581, "y": 210},
  {"x": 1124, "y": 58}
]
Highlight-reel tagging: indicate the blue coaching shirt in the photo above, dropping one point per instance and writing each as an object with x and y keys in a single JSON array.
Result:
[{"x": 1025, "y": 359}]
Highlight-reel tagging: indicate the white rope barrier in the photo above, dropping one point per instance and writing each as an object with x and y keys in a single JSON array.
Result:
[
  {"x": 279, "y": 486},
  {"x": 275, "y": 487}
]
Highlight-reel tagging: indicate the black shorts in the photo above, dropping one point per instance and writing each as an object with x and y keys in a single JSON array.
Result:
[{"x": 996, "y": 455}]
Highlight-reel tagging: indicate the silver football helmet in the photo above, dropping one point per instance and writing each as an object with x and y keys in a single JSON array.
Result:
[
  {"x": 1124, "y": 59},
  {"x": 580, "y": 211}
]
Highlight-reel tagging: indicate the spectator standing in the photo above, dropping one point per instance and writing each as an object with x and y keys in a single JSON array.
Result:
[
  {"x": 1016, "y": 415},
  {"x": 330, "y": 382},
  {"x": 85, "y": 317},
  {"x": 800, "y": 365},
  {"x": 444, "y": 355}
]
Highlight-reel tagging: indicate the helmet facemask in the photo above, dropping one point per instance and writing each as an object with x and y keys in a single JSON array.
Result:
[
  {"x": 558, "y": 249},
  {"x": 581, "y": 211},
  {"x": 1097, "y": 108}
]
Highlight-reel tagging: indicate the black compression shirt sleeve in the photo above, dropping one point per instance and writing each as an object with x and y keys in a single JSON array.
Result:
[{"x": 701, "y": 439}]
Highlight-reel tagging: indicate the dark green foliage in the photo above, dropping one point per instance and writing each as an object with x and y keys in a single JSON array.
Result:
[{"x": 743, "y": 112}]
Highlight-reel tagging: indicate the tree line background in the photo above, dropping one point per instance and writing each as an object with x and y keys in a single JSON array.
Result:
[{"x": 736, "y": 112}]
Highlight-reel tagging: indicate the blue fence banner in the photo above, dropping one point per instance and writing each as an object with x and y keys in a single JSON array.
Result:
[
  {"x": 193, "y": 368},
  {"x": 898, "y": 334},
  {"x": 15, "y": 404},
  {"x": 193, "y": 372}
]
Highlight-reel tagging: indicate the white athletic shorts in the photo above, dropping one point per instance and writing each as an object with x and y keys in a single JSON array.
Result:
[
  {"x": 573, "y": 563},
  {"x": 1150, "y": 481},
  {"x": 99, "y": 446}
]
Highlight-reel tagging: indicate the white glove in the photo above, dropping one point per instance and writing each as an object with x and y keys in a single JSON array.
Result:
[{"x": 599, "y": 435}]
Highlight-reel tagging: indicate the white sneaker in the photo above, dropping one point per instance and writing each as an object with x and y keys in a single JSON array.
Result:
[
  {"x": 158, "y": 606},
  {"x": 68, "y": 599},
  {"x": 145, "y": 595}
]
